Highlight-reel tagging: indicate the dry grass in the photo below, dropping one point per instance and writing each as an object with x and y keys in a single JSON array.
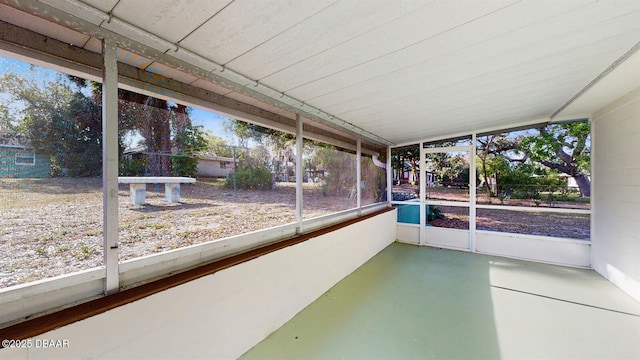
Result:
[
  {"x": 53, "y": 226},
  {"x": 574, "y": 226},
  {"x": 50, "y": 227}
]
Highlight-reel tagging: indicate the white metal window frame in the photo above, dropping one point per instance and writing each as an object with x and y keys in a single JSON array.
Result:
[
  {"x": 25, "y": 154},
  {"x": 52, "y": 294},
  {"x": 472, "y": 203}
]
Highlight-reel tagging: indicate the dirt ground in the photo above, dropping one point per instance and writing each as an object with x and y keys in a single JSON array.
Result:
[
  {"x": 50, "y": 227},
  {"x": 574, "y": 226}
]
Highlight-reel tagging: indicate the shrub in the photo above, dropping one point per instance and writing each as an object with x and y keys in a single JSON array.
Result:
[
  {"x": 256, "y": 177},
  {"x": 434, "y": 213},
  {"x": 132, "y": 167},
  {"x": 184, "y": 165}
]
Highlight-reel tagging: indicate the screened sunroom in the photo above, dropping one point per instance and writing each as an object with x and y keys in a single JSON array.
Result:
[{"x": 319, "y": 179}]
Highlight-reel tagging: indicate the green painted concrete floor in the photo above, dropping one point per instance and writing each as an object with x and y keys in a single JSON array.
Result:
[{"x": 412, "y": 302}]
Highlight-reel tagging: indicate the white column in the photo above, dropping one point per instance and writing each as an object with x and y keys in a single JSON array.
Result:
[
  {"x": 472, "y": 194},
  {"x": 359, "y": 175},
  {"x": 389, "y": 177},
  {"x": 110, "y": 165},
  {"x": 299, "y": 174},
  {"x": 423, "y": 196}
]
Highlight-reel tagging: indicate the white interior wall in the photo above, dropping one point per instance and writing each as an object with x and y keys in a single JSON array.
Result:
[
  {"x": 224, "y": 314},
  {"x": 616, "y": 192}
]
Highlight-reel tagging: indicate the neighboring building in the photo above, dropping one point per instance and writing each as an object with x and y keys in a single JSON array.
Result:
[
  {"x": 214, "y": 166},
  {"x": 208, "y": 165},
  {"x": 136, "y": 154},
  {"x": 19, "y": 160}
]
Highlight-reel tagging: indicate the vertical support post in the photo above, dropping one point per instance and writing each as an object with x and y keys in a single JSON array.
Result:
[
  {"x": 299, "y": 174},
  {"x": 423, "y": 196},
  {"x": 472, "y": 194},
  {"x": 235, "y": 173},
  {"x": 359, "y": 175},
  {"x": 110, "y": 165},
  {"x": 389, "y": 177},
  {"x": 594, "y": 180}
]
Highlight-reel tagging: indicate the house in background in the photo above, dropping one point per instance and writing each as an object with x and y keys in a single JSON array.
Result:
[
  {"x": 19, "y": 160},
  {"x": 209, "y": 165},
  {"x": 214, "y": 166}
]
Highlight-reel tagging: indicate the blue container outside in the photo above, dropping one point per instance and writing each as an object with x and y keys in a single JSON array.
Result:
[{"x": 410, "y": 214}]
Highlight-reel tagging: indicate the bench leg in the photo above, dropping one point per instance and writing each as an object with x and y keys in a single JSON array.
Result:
[
  {"x": 137, "y": 193},
  {"x": 172, "y": 192}
]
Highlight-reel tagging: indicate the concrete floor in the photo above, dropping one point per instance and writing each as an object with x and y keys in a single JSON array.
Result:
[{"x": 413, "y": 302}]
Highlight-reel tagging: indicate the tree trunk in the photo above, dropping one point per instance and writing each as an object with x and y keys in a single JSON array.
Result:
[{"x": 584, "y": 184}]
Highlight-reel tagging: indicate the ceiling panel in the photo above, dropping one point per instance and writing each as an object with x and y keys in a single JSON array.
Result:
[
  {"x": 330, "y": 27},
  {"x": 533, "y": 59},
  {"x": 132, "y": 59},
  {"x": 207, "y": 85},
  {"x": 491, "y": 37},
  {"x": 171, "y": 73},
  {"x": 103, "y": 5},
  {"x": 94, "y": 45},
  {"x": 404, "y": 32},
  {"x": 261, "y": 104},
  {"x": 245, "y": 24},
  {"x": 623, "y": 80},
  {"x": 170, "y": 20},
  {"x": 41, "y": 26},
  {"x": 403, "y": 70}
]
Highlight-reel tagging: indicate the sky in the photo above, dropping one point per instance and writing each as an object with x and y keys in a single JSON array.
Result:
[{"x": 210, "y": 121}]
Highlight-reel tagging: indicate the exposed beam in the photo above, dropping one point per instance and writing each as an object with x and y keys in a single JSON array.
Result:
[
  {"x": 105, "y": 26},
  {"x": 597, "y": 79},
  {"x": 34, "y": 47}
]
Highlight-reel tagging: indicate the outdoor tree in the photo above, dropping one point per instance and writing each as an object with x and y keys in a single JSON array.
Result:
[
  {"x": 242, "y": 131},
  {"x": 152, "y": 118},
  {"x": 253, "y": 168},
  {"x": 7, "y": 122},
  {"x": 565, "y": 148},
  {"x": 284, "y": 156},
  {"x": 57, "y": 120},
  {"x": 217, "y": 146},
  {"x": 492, "y": 156},
  {"x": 190, "y": 142},
  {"x": 279, "y": 145},
  {"x": 403, "y": 157},
  {"x": 340, "y": 165},
  {"x": 374, "y": 177}
]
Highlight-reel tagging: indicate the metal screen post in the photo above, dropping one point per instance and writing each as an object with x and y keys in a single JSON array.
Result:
[
  {"x": 235, "y": 173},
  {"x": 359, "y": 175},
  {"x": 389, "y": 177},
  {"x": 472, "y": 194},
  {"x": 299, "y": 175},
  {"x": 110, "y": 165}
]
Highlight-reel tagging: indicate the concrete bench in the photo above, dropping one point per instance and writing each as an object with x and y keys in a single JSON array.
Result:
[{"x": 138, "y": 185}]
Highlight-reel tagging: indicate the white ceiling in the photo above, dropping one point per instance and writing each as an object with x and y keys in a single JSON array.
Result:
[{"x": 404, "y": 70}]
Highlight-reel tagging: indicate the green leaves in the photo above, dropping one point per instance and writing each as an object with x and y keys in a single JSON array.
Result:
[
  {"x": 57, "y": 119},
  {"x": 554, "y": 148}
]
